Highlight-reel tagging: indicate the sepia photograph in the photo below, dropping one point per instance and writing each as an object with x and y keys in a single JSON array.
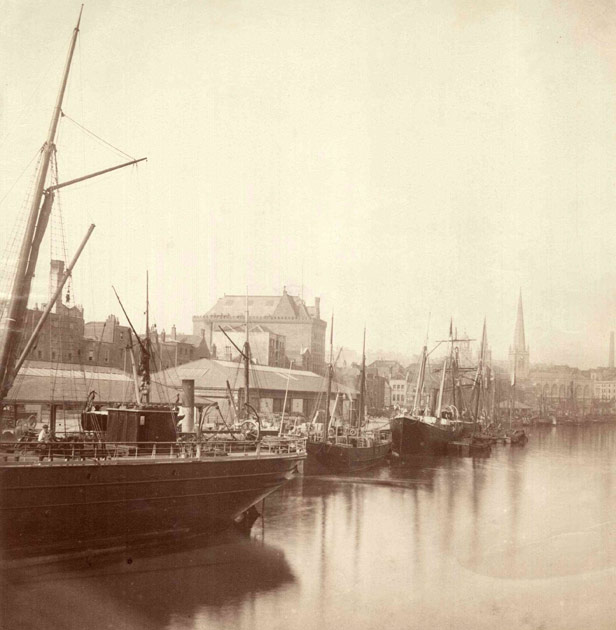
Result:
[{"x": 307, "y": 314}]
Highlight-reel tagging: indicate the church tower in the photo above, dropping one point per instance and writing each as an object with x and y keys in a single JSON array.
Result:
[{"x": 519, "y": 363}]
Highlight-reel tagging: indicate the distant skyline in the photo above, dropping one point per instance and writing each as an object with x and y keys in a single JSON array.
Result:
[{"x": 407, "y": 162}]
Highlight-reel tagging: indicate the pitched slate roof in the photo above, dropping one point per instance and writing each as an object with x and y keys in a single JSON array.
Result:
[
  {"x": 260, "y": 306},
  {"x": 210, "y": 374},
  {"x": 253, "y": 328},
  {"x": 43, "y": 382}
]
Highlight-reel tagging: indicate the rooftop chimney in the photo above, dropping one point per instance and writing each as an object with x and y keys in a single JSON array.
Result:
[
  {"x": 173, "y": 332},
  {"x": 317, "y": 307}
]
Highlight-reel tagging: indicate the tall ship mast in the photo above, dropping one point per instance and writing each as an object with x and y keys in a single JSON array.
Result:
[
  {"x": 362, "y": 387},
  {"x": 38, "y": 215},
  {"x": 12, "y": 331}
]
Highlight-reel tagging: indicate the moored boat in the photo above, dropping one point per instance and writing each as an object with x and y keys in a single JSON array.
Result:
[
  {"x": 352, "y": 448},
  {"x": 348, "y": 454},
  {"x": 423, "y": 432},
  {"x": 415, "y": 434},
  {"x": 69, "y": 495}
]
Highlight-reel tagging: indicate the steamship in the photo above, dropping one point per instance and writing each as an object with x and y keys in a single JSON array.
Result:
[{"x": 134, "y": 479}]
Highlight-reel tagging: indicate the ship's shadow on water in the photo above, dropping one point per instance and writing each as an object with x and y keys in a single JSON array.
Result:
[
  {"x": 143, "y": 587},
  {"x": 410, "y": 473}
]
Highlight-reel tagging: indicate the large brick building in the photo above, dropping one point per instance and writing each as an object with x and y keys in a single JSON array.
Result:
[
  {"x": 285, "y": 315},
  {"x": 105, "y": 343},
  {"x": 60, "y": 340},
  {"x": 176, "y": 349}
]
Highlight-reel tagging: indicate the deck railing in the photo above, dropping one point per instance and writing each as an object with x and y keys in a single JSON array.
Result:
[{"x": 98, "y": 450}]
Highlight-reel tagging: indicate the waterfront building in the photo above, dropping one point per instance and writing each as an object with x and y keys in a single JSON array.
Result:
[
  {"x": 60, "y": 340},
  {"x": 106, "y": 343},
  {"x": 399, "y": 388},
  {"x": 285, "y": 315},
  {"x": 387, "y": 368},
  {"x": 431, "y": 382},
  {"x": 604, "y": 390},
  {"x": 177, "y": 348},
  {"x": 562, "y": 389},
  {"x": 378, "y": 393},
  {"x": 61, "y": 337},
  {"x": 304, "y": 392},
  {"x": 40, "y": 384}
]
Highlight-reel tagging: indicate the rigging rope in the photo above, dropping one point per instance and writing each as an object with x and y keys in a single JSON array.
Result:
[
  {"x": 91, "y": 133},
  {"x": 37, "y": 154}
]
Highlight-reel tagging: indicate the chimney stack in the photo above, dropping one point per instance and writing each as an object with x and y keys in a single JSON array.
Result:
[
  {"x": 56, "y": 271},
  {"x": 317, "y": 307},
  {"x": 611, "y": 358},
  {"x": 173, "y": 332}
]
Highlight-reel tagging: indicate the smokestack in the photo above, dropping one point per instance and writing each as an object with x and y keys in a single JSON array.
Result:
[
  {"x": 317, "y": 307},
  {"x": 611, "y": 359},
  {"x": 188, "y": 387},
  {"x": 173, "y": 332}
]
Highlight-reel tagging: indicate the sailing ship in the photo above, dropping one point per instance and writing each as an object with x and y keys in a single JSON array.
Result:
[
  {"x": 351, "y": 448},
  {"x": 135, "y": 481}
]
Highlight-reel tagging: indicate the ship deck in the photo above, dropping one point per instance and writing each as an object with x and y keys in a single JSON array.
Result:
[{"x": 54, "y": 454}]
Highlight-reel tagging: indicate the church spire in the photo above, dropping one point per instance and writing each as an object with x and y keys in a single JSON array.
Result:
[
  {"x": 519, "y": 338},
  {"x": 519, "y": 359}
]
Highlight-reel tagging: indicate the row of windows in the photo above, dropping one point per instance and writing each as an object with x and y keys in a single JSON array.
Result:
[{"x": 68, "y": 356}]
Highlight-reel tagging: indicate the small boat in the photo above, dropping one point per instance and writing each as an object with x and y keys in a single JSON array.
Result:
[{"x": 518, "y": 437}]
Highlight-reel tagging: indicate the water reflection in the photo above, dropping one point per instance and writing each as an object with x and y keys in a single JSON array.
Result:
[
  {"x": 148, "y": 587},
  {"x": 524, "y": 539}
]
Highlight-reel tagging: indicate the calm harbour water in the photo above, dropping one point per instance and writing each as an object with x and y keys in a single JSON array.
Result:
[{"x": 524, "y": 539}]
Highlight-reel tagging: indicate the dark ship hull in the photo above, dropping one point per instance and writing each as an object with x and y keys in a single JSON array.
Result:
[
  {"x": 347, "y": 458},
  {"x": 67, "y": 505},
  {"x": 412, "y": 436}
]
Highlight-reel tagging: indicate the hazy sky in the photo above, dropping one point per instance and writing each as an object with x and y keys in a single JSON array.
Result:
[{"x": 401, "y": 158}]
